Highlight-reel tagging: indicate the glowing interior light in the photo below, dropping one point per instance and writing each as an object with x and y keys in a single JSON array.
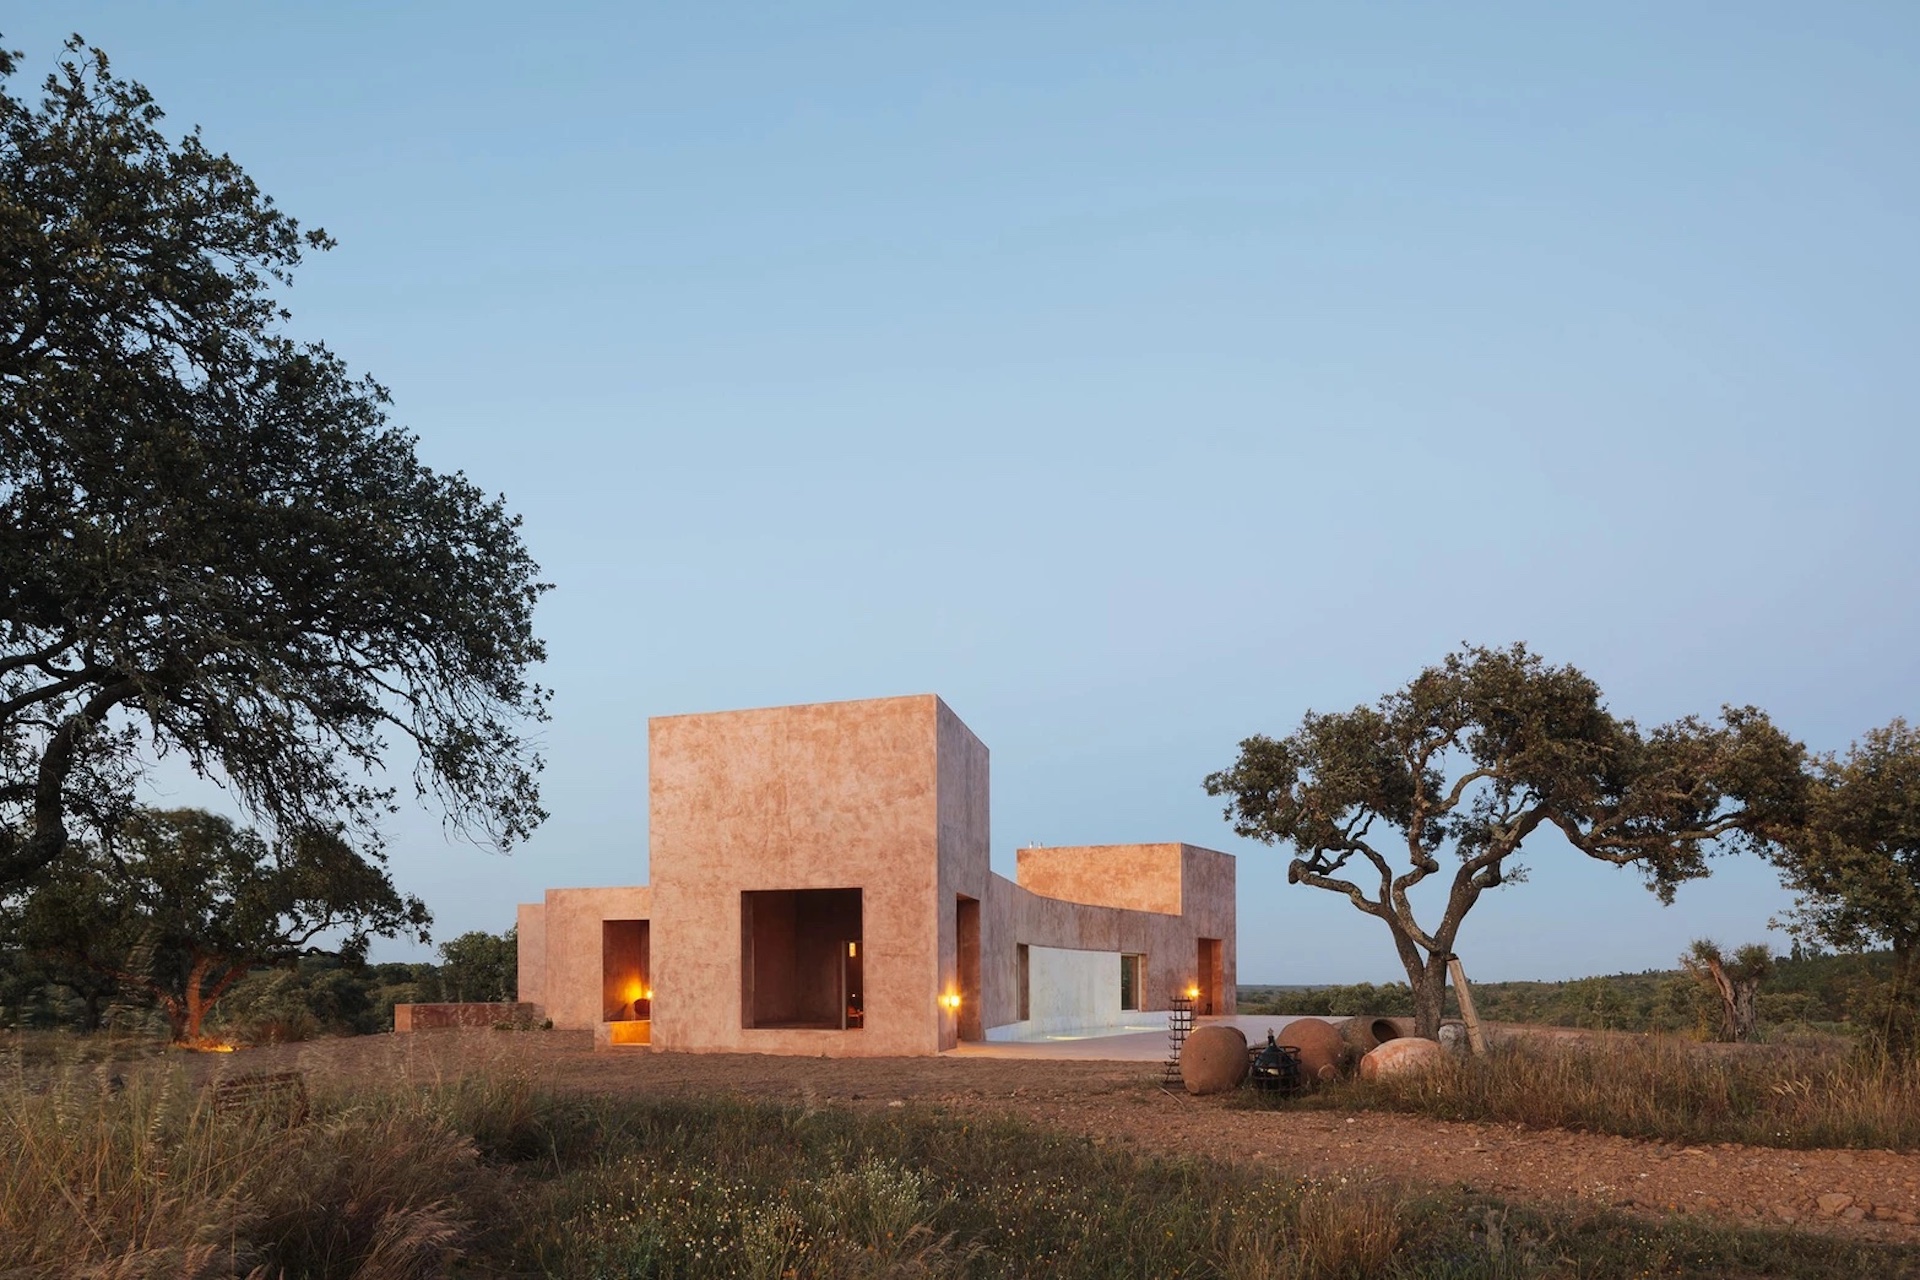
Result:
[
  {"x": 1193, "y": 993},
  {"x": 853, "y": 949},
  {"x": 951, "y": 1000}
]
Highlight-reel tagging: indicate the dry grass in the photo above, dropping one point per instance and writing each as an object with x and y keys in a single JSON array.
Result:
[
  {"x": 447, "y": 1166},
  {"x": 146, "y": 1176},
  {"x": 1670, "y": 1089}
]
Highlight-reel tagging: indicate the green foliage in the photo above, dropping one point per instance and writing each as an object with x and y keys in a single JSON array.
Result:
[
  {"x": 1731, "y": 981},
  {"x": 481, "y": 966},
  {"x": 212, "y": 542},
  {"x": 1388, "y": 999},
  {"x": 320, "y": 996},
  {"x": 183, "y": 903},
  {"x": 1805, "y": 992},
  {"x": 1856, "y": 865},
  {"x": 1475, "y": 755}
]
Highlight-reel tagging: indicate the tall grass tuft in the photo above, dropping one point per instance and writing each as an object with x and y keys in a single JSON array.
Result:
[
  {"x": 152, "y": 1178},
  {"x": 1667, "y": 1089}
]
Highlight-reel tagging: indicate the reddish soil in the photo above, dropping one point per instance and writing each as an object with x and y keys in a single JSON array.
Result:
[{"x": 1867, "y": 1193}]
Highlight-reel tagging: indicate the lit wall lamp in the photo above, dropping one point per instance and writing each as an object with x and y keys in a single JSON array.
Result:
[
  {"x": 1193, "y": 992},
  {"x": 951, "y": 1000}
]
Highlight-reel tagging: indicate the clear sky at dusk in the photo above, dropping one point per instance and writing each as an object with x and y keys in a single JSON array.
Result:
[{"x": 1134, "y": 377}]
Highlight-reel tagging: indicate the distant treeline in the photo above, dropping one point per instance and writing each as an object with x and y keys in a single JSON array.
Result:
[
  {"x": 1804, "y": 992},
  {"x": 321, "y": 995}
]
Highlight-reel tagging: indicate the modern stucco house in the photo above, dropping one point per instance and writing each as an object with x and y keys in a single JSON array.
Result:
[{"x": 820, "y": 885}]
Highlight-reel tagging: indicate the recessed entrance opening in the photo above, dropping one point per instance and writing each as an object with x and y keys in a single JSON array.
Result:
[
  {"x": 1023, "y": 962},
  {"x": 626, "y": 993},
  {"x": 802, "y": 959},
  {"x": 967, "y": 936},
  {"x": 1212, "y": 998},
  {"x": 1133, "y": 972}
]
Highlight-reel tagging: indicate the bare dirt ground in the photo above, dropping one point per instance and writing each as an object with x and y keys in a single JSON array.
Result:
[{"x": 1872, "y": 1194}]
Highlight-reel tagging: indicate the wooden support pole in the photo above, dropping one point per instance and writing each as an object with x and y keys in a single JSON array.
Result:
[{"x": 1476, "y": 1037}]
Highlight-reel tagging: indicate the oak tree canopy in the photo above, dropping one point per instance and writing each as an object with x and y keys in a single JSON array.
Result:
[
  {"x": 184, "y": 903},
  {"x": 1473, "y": 757},
  {"x": 213, "y": 543},
  {"x": 1855, "y": 864}
]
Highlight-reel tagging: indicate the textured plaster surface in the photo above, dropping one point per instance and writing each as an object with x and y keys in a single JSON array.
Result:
[
  {"x": 1138, "y": 877},
  {"x": 1170, "y": 942},
  {"x": 826, "y": 796},
  {"x": 573, "y": 986},
  {"x": 1207, "y": 895},
  {"x": 447, "y": 1017},
  {"x": 889, "y": 797},
  {"x": 530, "y": 926},
  {"x": 964, "y": 849}
]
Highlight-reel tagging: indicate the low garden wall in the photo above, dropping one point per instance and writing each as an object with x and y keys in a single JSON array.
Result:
[{"x": 446, "y": 1017}]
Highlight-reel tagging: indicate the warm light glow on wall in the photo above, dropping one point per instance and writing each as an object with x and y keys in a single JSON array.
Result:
[
  {"x": 630, "y": 1032},
  {"x": 951, "y": 1000},
  {"x": 1193, "y": 993}
]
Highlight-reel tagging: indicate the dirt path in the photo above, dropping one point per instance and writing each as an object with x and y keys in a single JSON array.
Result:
[{"x": 1868, "y": 1193}]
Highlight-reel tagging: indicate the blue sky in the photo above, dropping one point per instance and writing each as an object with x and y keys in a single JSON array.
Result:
[{"x": 1135, "y": 377}]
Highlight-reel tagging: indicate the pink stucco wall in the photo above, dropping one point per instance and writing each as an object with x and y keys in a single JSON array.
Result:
[
  {"x": 825, "y": 796},
  {"x": 1203, "y": 907},
  {"x": 448, "y": 1017},
  {"x": 1139, "y": 877},
  {"x": 530, "y": 926},
  {"x": 891, "y": 797},
  {"x": 568, "y": 967}
]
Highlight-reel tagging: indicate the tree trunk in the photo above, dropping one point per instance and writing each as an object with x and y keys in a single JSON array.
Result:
[
  {"x": 1742, "y": 1012},
  {"x": 1429, "y": 997},
  {"x": 187, "y": 1013},
  {"x": 1716, "y": 977},
  {"x": 1901, "y": 1034},
  {"x": 176, "y": 1019}
]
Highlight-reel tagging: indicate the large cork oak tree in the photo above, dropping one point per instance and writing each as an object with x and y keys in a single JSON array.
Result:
[{"x": 1469, "y": 762}]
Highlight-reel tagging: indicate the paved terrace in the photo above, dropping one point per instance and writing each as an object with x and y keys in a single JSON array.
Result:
[{"x": 1127, "y": 1044}]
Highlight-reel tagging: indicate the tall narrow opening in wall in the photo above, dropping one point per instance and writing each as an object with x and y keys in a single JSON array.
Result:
[
  {"x": 1212, "y": 997},
  {"x": 1023, "y": 963},
  {"x": 1133, "y": 973},
  {"x": 626, "y": 990},
  {"x": 966, "y": 928},
  {"x": 803, "y": 959}
]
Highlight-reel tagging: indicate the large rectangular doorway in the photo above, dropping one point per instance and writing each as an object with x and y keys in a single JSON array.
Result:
[{"x": 802, "y": 959}]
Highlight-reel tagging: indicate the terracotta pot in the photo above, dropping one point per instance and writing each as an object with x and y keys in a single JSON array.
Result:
[
  {"x": 1406, "y": 1056},
  {"x": 1214, "y": 1059},
  {"x": 1365, "y": 1032},
  {"x": 1323, "y": 1054}
]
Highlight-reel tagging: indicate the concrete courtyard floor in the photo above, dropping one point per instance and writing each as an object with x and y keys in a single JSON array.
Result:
[{"x": 1101, "y": 1045}]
